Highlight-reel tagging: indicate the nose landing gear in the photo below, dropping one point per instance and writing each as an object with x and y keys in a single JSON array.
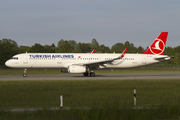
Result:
[{"x": 25, "y": 71}]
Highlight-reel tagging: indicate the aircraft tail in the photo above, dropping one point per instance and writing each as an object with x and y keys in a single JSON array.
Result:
[{"x": 158, "y": 46}]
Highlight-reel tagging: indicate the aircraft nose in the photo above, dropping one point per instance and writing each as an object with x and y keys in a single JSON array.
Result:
[{"x": 8, "y": 63}]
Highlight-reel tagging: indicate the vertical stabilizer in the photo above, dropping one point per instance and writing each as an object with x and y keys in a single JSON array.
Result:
[{"x": 158, "y": 46}]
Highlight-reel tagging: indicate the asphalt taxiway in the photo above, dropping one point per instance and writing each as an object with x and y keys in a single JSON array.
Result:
[{"x": 125, "y": 76}]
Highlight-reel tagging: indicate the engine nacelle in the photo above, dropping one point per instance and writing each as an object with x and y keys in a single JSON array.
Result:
[{"x": 77, "y": 69}]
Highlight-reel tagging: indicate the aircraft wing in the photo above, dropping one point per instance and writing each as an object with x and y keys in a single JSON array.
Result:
[{"x": 91, "y": 64}]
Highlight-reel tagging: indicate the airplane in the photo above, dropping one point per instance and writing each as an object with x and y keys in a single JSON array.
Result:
[{"x": 85, "y": 63}]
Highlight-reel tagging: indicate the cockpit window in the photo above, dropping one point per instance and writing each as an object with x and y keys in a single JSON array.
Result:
[{"x": 14, "y": 58}]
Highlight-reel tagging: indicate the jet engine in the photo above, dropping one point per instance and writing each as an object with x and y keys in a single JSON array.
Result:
[{"x": 77, "y": 69}]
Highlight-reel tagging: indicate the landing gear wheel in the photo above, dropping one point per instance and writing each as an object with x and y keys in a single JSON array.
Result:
[
  {"x": 92, "y": 74},
  {"x": 24, "y": 75},
  {"x": 86, "y": 74}
]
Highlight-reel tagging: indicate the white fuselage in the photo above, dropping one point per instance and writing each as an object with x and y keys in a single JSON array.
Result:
[{"x": 63, "y": 60}]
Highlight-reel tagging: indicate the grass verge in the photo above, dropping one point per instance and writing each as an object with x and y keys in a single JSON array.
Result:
[
  {"x": 113, "y": 113},
  {"x": 107, "y": 100}
]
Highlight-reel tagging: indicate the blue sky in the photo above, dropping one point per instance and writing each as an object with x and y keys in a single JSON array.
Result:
[{"x": 108, "y": 21}]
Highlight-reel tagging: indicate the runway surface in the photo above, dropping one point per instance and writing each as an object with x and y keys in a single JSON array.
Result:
[{"x": 126, "y": 76}]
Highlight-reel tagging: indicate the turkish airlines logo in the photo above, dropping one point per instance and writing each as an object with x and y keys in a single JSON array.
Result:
[{"x": 157, "y": 47}]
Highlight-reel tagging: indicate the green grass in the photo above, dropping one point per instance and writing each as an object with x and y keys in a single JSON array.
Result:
[
  {"x": 102, "y": 71},
  {"x": 88, "y": 93},
  {"x": 105, "y": 100},
  {"x": 113, "y": 113}
]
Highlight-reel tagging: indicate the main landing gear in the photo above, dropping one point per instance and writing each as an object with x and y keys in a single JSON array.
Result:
[
  {"x": 25, "y": 71},
  {"x": 92, "y": 74}
]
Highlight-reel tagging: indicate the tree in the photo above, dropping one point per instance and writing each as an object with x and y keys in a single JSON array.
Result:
[
  {"x": 132, "y": 48},
  {"x": 72, "y": 43},
  {"x": 127, "y": 44},
  {"x": 94, "y": 44},
  {"x": 8, "y": 48},
  {"x": 53, "y": 45},
  {"x": 177, "y": 49},
  {"x": 85, "y": 47},
  {"x": 23, "y": 49},
  {"x": 64, "y": 46},
  {"x": 77, "y": 48},
  {"x": 50, "y": 49},
  {"x": 38, "y": 48},
  {"x": 118, "y": 47},
  {"x": 169, "y": 51},
  {"x": 140, "y": 49},
  {"x": 104, "y": 49}
]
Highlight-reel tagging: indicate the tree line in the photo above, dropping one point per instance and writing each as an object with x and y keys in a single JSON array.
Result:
[{"x": 9, "y": 47}]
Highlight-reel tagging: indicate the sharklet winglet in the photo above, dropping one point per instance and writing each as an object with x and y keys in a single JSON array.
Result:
[{"x": 124, "y": 52}]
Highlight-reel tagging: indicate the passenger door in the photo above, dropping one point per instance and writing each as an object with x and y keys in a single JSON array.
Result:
[{"x": 25, "y": 59}]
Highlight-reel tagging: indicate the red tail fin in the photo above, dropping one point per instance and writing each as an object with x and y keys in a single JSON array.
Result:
[{"x": 157, "y": 47}]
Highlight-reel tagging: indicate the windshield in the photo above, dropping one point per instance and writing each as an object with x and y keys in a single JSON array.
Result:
[{"x": 14, "y": 58}]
